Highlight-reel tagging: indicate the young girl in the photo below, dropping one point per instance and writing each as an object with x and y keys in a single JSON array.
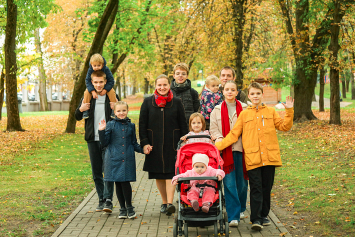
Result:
[
  {"x": 119, "y": 136},
  {"x": 197, "y": 126},
  {"x": 223, "y": 118},
  {"x": 200, "y": 168},
  {"x": 210, "y": 97}
]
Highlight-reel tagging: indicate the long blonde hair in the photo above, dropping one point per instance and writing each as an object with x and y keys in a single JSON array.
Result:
[{"x": 209, "y": 80}]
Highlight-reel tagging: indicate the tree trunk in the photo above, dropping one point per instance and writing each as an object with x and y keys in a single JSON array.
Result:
[
  {"x": 124, "y": 87},
  {"x": 347, "y": 85},
  {"x": 43, "y": 104},
  {"x": 134, "y": 91},
  {"x": 334, "y": 65},
  {"x": 167, "y": 57},
  {"x": 352, "y": 81},
  {"x": 117, "y": 86},
  {"x": 314, "y": 96},
  {"x": 99, "y": 39},
  {"x": 343, "y": 88},
  {"x": 13, "y": 117},
  {"x": 2, "y": 82},
  {"x": 146, "y": 86},
  {"x": 321, "y": 89}
]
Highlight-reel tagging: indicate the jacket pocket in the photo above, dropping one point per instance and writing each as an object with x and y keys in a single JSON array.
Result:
[
  {"x": 249, "y": 123},
  {"x": 252, "y": 156},
  {"x": 150, "y": 137},
  {"x": 273, "y": 152},
  {"x": 176, "y": 138},
  {"x": 269, "y": 122}
]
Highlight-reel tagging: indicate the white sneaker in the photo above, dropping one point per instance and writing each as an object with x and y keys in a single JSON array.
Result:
[
  {"x": 233, "y": 223},
  {"x": 242, "y": 216}
]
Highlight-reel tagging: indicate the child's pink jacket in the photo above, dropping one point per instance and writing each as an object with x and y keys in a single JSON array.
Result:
[{"x": 209, "y": 172}]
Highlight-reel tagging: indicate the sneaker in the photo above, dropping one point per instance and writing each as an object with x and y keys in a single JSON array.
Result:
[
  {"x": 86, "y": 114},
  {"x": 100, "y": 207},
  {"x": 170, "y": 209},
  {"x": 233, "y": 223},
  {"x": 205, "y": 207},
  {"x": 266, "y": 221},
  {"x": 123, "y": 213},
  {"x": 242, "y": 216},
  {"x": 113, "y": 114},
  {"x": 131, "y": 212},
  {"x": 194, "y": 205},
  {"x": 108, "y": 206},
  {"x": 163, "y": 208},
  {"x": 257, "y": 225}
]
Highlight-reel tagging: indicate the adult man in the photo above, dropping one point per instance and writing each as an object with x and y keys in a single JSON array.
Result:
[
  {"x": 228, "y": 74},
  {"x": 100, "y": 109}
]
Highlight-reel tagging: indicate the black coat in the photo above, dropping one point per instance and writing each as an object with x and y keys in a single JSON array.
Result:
[{"x": 161, "y": 128}]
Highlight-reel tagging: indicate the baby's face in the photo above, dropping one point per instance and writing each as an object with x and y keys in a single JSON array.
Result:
[
  {"x": 214, "y": 86},
  {"x": 200, "y": 167},
  {"x": 96, "y": 66}
]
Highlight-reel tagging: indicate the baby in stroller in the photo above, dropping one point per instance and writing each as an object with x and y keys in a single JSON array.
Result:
[{"x": 204, "y": 188}]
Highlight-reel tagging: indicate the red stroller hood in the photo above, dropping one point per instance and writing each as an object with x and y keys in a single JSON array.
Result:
[{"x": 185, "y": 153}]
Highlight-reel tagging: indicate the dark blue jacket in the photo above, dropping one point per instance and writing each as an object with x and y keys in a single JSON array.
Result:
[
  {"x": 120, "y": 139},
  {"x": 109, "y": 77}
]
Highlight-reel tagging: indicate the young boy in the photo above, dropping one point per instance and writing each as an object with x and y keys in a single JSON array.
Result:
[
  {"x": 181, "y": 88},
  {"x": 97, "y": 62},
  {"x": 258, "y": 124}
]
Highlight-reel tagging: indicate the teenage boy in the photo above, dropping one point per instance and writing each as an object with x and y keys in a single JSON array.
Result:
[
  {"x": 258, "y": 124},
  {"x": 228, "y": 74},
  {"x": 181, "y": 88},
  {"x": 100, "y": 108}
]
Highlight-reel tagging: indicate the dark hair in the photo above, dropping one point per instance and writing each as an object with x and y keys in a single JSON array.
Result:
[
  {"x": 160, "y": 77},
  {"x": 228, "y": 68},
  {"x": 98, "y": 74}
]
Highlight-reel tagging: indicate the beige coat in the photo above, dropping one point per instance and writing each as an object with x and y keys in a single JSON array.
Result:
[{"x": 216, "y": 126}]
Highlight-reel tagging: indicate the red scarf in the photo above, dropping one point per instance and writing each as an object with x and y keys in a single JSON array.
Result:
[
  {"x": 161, "y": 100},
  {"x": 227, "y": 153}
]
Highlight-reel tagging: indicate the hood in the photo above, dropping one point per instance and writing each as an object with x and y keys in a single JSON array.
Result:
[
  {"x": 125, "y": 120},
  {"x": 104, "y": 63},
  {"x": 244, "y": 106},
  {"x": 180, "y": 89},
  {"x": 254, "y": 107}
]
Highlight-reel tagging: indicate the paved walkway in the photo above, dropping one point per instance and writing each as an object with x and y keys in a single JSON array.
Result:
[
  {"x": 84, "y": 221},
  {"x": 327, "y": 103}
]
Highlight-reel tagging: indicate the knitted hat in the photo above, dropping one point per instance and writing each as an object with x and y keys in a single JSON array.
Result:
[{"x": 200, "y": 158}]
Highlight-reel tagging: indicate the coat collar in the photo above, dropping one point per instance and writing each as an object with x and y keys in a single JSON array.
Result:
[{"x": 262, "y": 106}]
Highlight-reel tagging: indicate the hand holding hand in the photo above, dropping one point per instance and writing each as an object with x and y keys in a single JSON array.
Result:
[
  {"x": 103, "y": 92},
  {"x": 84, "y": 107},
  {"x": 213, "y": 138},
  {"x": 102, "y": 125},
  {"x": 147, "y": 149},
  {"x": 289, "y": 102},
  {"x": 94, "y": 94},
  {"x": 183, "y": 138},
  {"x": 219, "y": 177}
]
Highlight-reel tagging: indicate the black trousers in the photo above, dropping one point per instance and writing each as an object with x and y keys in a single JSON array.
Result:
[
  {"x": 104, "y": 189},
  {"x": 124, "y": 194},
  {"x": 261, "y": 181}
]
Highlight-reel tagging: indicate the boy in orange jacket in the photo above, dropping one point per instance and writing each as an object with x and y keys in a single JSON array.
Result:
[{"x": 258, "y": 124}]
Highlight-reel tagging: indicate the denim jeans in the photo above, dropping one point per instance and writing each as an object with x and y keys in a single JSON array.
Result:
[
  {"x": 104, "y": 189},
  {"x": 235, "y": 189}
]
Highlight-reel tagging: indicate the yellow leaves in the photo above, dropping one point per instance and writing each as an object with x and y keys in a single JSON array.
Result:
[{"x": 295, "y": 213}]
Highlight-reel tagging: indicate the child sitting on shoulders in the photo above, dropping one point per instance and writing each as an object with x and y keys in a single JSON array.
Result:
[
  {"x": 97, "y": 62},
  {"x": 197, "y": 126},
  {"x": 210, "y": 97},
  {"x": 200, "y": 168}
]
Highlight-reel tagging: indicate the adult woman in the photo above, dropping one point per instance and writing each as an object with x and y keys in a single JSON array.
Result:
[{"x": 161, "y": 124}]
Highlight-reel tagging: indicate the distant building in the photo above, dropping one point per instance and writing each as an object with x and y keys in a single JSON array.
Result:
[{"x": 271, "y": 96}]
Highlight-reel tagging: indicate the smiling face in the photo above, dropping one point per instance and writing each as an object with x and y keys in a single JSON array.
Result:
[
  {"x": 162, "y": 86},
  {"x": 196, "y": 125},
  {"x": 180, "y": 75},
  {"x": 96, "y": 66},
  {"x": 226, "y": 75},
  {"x": 121, "y": 111},
  {"x": 255, "y": 95},
  {"x": 230, "y": 92},
  {"x": 98, "y": 83},
  {"x": 200, "y": 167}
]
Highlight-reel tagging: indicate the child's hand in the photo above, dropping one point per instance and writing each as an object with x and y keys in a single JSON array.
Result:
[
  {"x": 103, "y": 92},
  {"x": 289, "y": 102},
  {"x": 102, "y": 125},
  {"x": 94, "y": 94},
  {"x": 183, "y": 138},
  {"x": 219, "y": 177},
  {"x": 112, "y": 105},
  {"x": 213, "y": 138},
  {"x": 175, "y": 182},
  {"x": 84, "y": 107}
]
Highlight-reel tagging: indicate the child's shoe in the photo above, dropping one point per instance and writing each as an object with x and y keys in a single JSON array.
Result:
[
  {"x": 194, "y": 205},
  {"x": 108, "y": 206},
  {"x": 113, "y": 114},
  {"x": 205, "y": 207},
  {"x": 123, "y": 213},
  {"x": 86, "y": 114},
  {"x": 131, "y": 213},
  {"x": 242, "y": 216}
]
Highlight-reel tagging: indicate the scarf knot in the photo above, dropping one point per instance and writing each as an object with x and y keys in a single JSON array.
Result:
[{"x": 162, "y": 100}]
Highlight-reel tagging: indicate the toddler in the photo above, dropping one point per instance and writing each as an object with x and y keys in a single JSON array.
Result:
[
  {"x": 119, "y": 136},
  {"x": 97, "y": 62},
  {"x": 197, "y": 126},
  {"x": 210, "y": 97},
  {"x": 200, "y": 168}
]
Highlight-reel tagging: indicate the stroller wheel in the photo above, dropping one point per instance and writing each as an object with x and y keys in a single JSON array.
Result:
[
  {"x": 186, "y": 230},
  {"x": 226, "y": 229}
]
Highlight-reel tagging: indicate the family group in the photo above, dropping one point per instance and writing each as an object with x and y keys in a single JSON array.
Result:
[{"x": 243, "y": 131}]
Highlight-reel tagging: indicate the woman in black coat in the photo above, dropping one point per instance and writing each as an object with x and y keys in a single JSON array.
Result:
[{"x": 162, "y": 123}]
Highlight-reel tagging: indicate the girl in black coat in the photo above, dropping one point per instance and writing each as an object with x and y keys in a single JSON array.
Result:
[{"x": 161, "y": 124}]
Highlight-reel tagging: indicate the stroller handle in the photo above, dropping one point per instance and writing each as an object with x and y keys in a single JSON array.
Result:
[
  {"x": 193, "y": 136},
  {"x": 198, "y": 178}
]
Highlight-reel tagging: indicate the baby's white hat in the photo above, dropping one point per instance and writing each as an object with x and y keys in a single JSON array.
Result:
[{"x": 203, "y": 158}]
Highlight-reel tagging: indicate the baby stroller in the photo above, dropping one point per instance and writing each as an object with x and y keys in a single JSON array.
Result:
[{"x": 186, "y": 216}]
